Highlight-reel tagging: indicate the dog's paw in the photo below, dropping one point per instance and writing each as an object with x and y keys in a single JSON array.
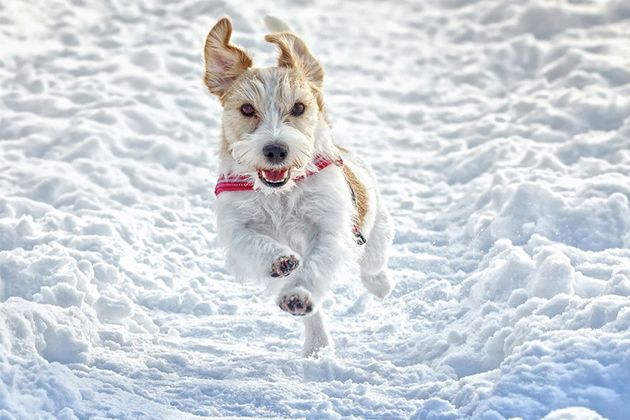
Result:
[
  {"x": 283, "y": 266},
  {"x": 298, "y": 304}
]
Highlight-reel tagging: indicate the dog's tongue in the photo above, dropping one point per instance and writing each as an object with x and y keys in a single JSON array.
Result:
[{"x": 275, "y": 175}]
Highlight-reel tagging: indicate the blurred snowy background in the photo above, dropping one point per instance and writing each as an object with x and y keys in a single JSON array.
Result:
[{"x": 500, "y": 133}]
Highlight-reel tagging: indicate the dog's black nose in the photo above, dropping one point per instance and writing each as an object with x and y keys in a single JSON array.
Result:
[{"x": 275, "y": 152}]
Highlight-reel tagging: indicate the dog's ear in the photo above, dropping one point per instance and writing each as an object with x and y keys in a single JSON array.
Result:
[
  {"x": 295, "y": 54},
  {"x": 224, "y": 62}
]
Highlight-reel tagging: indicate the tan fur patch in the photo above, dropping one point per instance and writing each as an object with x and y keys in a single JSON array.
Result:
[
  {"x": 225, "y": 62},
  {"x": 360, "y": 195},
  {"x": 295, "y": 54}
]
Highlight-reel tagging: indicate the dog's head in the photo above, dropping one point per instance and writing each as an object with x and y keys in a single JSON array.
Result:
[{"x": 270, "y": 115}]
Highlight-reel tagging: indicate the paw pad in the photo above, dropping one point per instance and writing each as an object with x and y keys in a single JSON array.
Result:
[
  {"x": 296, "y": 305},
  {"x": 283, "y": 266}
]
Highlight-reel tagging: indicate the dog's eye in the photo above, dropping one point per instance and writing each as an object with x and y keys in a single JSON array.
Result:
[
  {"x": 298, "y": 109},
  {"x": 248, "y": 110}
]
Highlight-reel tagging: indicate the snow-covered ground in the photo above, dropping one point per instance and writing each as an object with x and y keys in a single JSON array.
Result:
[{"x": 500, "y": 133}]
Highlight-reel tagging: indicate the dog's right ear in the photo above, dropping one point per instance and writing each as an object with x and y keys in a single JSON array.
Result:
[
  {"x": 224, "y": 62},
  {"x": 295, "y": 54}
]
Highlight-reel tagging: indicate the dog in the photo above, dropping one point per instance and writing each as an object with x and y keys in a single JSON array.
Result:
[{"x": 292, "y": 207}]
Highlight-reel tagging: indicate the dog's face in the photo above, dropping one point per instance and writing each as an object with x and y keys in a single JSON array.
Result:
[{"x": 270, "y": 115}]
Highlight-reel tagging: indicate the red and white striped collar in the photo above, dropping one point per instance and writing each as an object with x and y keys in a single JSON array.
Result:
[{"x": 236, "y": 182}]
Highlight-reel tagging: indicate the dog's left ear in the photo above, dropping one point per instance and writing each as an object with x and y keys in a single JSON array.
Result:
[
  {"x": 225, "y": 62},
  {"x": 295, "y": 54}
]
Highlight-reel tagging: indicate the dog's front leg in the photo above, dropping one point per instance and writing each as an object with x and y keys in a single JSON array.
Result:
[
  {"x": 255, "y": 255},
  {"x": 260, "y": 255},
  {"x": 304, "y": 291},
  {"x": 250, "y": 253}
]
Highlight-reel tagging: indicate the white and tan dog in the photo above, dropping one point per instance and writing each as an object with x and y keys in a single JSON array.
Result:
[{"x": 292, "y": 207}]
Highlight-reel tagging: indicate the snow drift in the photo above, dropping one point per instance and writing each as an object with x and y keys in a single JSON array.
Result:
[{"x": 499, "y": 131}]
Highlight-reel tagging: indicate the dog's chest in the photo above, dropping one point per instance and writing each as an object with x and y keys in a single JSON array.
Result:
[
  {"x": 284, "y": 218},
  {"x": 283, "y": 212}
]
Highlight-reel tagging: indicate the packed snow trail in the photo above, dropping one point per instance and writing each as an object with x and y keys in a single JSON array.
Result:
[{"x": 499, "y": 132}]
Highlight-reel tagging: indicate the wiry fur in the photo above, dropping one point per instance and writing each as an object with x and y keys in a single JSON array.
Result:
[{"x": 309, "y": 220}]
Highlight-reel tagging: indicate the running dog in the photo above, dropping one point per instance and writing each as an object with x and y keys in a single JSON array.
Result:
[{"x": 292, "y": 207}]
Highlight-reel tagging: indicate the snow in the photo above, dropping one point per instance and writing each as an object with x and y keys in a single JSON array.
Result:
[{"x": 500, "y": 134}]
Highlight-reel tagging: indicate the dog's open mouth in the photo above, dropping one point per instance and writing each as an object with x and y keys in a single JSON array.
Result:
[{"x": 274, "y": 177}]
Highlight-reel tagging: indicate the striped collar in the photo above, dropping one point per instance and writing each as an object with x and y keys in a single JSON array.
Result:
[{"x": 236, "y": 182}]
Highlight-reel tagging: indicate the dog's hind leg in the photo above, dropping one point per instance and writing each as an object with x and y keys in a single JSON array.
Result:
[
  {"x": 315, "y": 335},
  {"x": 373, "y": 263}
]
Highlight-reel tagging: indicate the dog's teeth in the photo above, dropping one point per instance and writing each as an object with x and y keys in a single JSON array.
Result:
[{"x": 274, "y": 181}]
